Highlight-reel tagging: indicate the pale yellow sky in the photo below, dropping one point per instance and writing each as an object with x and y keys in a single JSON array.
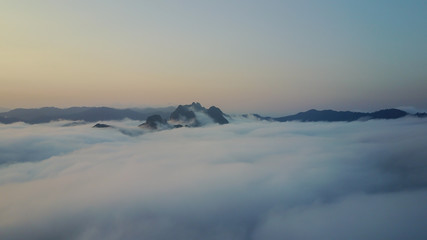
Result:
[{"x": 243, "y": 56}]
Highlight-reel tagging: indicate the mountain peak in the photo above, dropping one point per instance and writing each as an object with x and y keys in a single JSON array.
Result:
[
  {"x": 184, "y": 114},
  {"x": 192, "y": 115},
  {"x": 217, "y": 115},
  {"x": 153, "y": 122},
  {"x": 197, "y": 105}
]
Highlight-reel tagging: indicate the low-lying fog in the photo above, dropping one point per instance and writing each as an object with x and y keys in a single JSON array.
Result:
[{"x": 245, "y": 180}]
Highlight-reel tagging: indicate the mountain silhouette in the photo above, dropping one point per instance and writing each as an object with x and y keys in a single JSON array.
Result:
[
  {"x": 217, "y": 115},
  {"x": 183, "y": 115},
  {"x": 187, "y": 115},
  {"x": 88, "y": 114},
  {"x": 153, "y": 122},
  {"x": 101, "y": 125},
  {"x": 343, "y": 116}
]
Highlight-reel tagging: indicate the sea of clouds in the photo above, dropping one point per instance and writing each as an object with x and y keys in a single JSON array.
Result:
[{"x": 245, "y": 180}]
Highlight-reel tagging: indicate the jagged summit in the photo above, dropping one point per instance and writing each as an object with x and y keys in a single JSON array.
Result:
[
  {"x": 191, "y": 115},
  {"x": 217, "y": 115},
  {"x": 188, "y": 114},
  {"x": 184, "y": 114},
  {"x": 196, "y": 106}
]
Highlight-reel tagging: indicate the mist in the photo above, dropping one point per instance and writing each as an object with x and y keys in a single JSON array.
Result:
[{"x": 245, "y": 180}]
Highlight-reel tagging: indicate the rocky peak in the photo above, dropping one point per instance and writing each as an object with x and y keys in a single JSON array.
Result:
[
  {"x": 217, "y": 115},
  {"x": 192, "y": 115},
  {"x": 182, "y": 113},
  {"x": 153, "y": 122},
  {"x": 195, "y": 106}
]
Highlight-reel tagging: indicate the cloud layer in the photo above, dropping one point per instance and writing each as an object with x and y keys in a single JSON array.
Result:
[{"x": 248, "y": 180}]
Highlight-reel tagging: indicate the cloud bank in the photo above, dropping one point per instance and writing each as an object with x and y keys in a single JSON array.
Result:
[{"x": 247, "y": 180}]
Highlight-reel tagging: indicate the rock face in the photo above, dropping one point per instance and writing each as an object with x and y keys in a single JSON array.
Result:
[
  {"x": 187, "y": 116},
  {"x": 184, "y": 114},
  {"x": 153, "y": 122},
  {"x": 195, "y": 106},
  {"x": 217, "y": 115}
]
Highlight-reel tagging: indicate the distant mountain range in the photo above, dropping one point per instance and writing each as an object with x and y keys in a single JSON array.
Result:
[
  {"x": 342, "y": 116},
  {"x": 88, "y": 114},
  {"x": 314, "y": 115},
  {"x": 191, "y": 115}
]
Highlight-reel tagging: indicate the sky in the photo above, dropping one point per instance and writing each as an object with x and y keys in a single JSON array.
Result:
[
  {"x": 243, "y": 180},
  {"x": 270, "y": 57}
]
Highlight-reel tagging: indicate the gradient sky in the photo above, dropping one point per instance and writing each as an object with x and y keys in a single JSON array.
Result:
[{"x": 243, "y": 56}]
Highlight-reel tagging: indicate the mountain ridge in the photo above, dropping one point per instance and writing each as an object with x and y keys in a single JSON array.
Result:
[
  {"x": 185, "y": 115},
  {"x": 191, "y": 115},
  {"x": 88, "y": 114},
  {"x": 314, "y": 115}
]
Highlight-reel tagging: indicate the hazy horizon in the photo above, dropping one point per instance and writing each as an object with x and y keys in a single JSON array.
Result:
[
  {"x": 195, "y": 172},
  {"x": 244, "y": 56},
  {"x": 408, "y": 109}
]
